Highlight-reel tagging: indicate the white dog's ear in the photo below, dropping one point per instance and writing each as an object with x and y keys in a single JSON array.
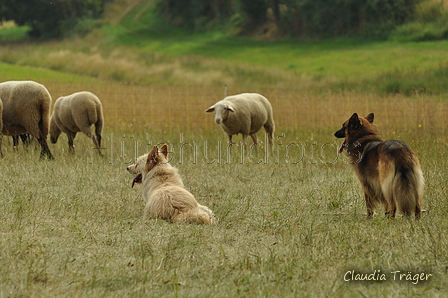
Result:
[
  {"x": 229, "y": 108},
  {"x": 153, "y": 158},
  {"x": 210, "y": 109},
  {"x": 164, "y": 150}
]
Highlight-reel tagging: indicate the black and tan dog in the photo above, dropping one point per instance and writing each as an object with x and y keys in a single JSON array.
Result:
[{"x": 389, "y": 171}]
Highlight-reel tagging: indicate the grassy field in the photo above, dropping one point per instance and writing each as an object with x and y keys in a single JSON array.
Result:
[{"x": 291, "y": 224}]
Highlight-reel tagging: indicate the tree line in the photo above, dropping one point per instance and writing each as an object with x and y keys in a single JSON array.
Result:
[
  {"x": 311, "y": 18},
  {"x": 52, "y": 18},
  {"x": 314, "y": 18}
]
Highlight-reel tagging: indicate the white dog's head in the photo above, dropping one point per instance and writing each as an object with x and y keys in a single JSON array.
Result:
[{"x": 147, "y": 162}]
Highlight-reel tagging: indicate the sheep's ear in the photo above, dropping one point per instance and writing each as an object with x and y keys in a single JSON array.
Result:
[
  {"x": 153, "y": 158},
  {"x": 164, "y": 150},
  {"x": 370, "y": 117},
  {"x": 210, "y": 109},
  {"x": 229, "y": 108}
]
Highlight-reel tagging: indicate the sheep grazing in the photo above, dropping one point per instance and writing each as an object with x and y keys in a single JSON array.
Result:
[
  {"x": 26, "y": 109},
  {"x": 244, "y": 113},
  {"x": 76, "y": 113}
]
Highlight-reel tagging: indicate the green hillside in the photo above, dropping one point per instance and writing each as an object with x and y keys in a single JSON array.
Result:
[{"x": 134, "y": 46}]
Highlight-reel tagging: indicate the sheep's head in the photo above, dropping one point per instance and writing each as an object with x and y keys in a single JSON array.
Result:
[
  {"x": 221, "y": 110},
  {"x": 54, "y": 133}
]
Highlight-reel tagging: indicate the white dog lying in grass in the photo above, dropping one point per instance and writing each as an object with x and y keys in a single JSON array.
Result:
[{"x": 164, "y": 192}]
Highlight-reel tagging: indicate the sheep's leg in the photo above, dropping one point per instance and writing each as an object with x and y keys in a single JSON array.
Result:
[
  {"x": 245, "y": 140},
  {"x": 15, "y": 141},
  {"x": 71, "y": 136},
  {"x": 254, "y": 138},
  {"x": 255, "y": 144},
  {"x": 230, "y": 141},
  {"x": 91, "y": 136},
  {"x": 98, "y": 130},
  {"x": 269, "y": 127},
  {"x": 245, "y": 143},
  {"x": 25, "y": 137},
  {"x": 229, "y": 145},
  {"x": 42, "y": 139},
  {"x": 1, "y": 141},
  {"x": 26, "y": 140},
  {"x": 38, "y": 133},
  {"x": 98, "y": 138}
]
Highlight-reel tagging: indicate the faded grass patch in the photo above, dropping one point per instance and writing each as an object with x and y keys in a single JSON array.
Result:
[{"x": 126, "y": 66}]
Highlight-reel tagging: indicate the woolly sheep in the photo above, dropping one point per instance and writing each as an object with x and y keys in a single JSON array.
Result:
[
  {"x": 244, "y": 113},
  {"x": 76, "y": 113},
  {"x": 26, "y": 108}
]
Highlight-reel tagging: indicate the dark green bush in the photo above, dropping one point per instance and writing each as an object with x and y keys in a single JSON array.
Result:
[
  {"x": 322, "y": 18},
  {"x": 49, "y": 18},
  {"x": 312, "y": 18},
  {"x": 430, "y": 22}
]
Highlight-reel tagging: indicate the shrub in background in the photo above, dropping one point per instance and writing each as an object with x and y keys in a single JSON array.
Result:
[
  {"x": 193, "y": 14},
  {"x": 322, "y": 18},
  {"x": 311, "y": 18},
  {"x": 430, "y": 22},
  {"x": 47, "y": 18}
]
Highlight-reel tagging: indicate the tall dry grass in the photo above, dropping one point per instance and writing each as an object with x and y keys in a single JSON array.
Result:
[{"x": 182, "y": 108}]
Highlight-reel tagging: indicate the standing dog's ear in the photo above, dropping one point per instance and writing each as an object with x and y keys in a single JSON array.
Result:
[
  {"x": 354, "y": 122},
  {"x": 164, "y": 150},
  {"x": 370, "y": 117},
  {"x": 153, "y": 158}
]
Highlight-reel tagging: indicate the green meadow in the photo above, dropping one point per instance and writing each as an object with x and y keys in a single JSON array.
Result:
[{"x": 290, "y": 224}]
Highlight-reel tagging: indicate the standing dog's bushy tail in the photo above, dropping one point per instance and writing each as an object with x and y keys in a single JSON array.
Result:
[
  {"x": 403, "y": 187},
  {"x": 409, "y": 189}
]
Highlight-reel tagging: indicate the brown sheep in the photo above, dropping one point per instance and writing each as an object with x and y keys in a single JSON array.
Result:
[
  {"x": 76, "y": 113},
  {"x": 26, "y": 108}
]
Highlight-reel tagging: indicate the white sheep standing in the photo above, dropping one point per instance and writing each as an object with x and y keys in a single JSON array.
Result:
[
  {"x": 244, "y": 113},
  {"x": 26, "y": 108},
  {"x": 76, "y": 113}
]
